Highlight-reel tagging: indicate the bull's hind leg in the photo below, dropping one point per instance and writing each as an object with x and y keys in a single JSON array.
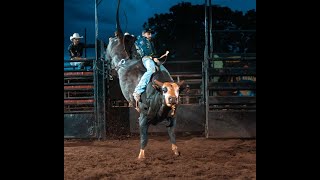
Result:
[
  {"x": 172, "y": 136},
  {"x": 143, "y": 126}
]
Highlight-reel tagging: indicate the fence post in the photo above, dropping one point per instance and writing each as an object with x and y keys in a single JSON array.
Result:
[{"x": 99, "y": 90}]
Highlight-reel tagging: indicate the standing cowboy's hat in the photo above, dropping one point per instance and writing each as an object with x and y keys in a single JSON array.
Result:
[{"x": 75, "y": 35}]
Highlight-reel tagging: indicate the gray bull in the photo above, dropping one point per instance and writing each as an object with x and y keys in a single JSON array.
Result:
[{"x": 160, "y": 100}]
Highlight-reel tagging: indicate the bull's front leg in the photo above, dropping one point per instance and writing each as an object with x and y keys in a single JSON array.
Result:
[
  {"x": 172, "y": 136},
  {"x": 143, "y": 126}
]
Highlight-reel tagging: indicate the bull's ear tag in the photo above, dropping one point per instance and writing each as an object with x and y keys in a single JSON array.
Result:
[{"x": 173, "y": 112}]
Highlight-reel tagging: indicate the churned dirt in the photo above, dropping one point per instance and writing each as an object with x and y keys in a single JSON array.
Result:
[{"x": 200, "y": 158}]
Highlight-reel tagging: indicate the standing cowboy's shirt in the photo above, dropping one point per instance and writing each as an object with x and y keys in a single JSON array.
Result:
[
  {"x": 76, "y": 50},
  {"x": 145, "y": 47}
]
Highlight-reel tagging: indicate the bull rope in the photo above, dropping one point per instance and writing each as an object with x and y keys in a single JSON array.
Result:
[{"x": 165, "y": 55}]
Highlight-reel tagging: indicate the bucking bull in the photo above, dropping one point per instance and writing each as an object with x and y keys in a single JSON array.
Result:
[{"x": 160, "y": 100}]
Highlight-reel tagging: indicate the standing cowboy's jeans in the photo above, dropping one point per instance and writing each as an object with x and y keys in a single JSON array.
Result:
[
  {"x": 72, "y": 65},
  {"x": 77, "y": 64},
  {"x": 150, "y": 65}
]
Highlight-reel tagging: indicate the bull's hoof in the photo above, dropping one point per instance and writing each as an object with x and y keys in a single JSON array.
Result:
[
  {"x": 141, "y": 159},
  {"x": 176, "y": 152},
  {"x": 141, "y": 154}
]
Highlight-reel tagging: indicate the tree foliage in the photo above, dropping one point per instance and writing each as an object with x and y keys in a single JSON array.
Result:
[{"x": 182, "y": 30}]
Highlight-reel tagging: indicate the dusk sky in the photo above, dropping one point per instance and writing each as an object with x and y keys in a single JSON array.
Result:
[{"x": 80, "y": 14}]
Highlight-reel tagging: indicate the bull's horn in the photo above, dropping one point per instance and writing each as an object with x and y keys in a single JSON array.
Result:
[{"x": 158, "y": 83}]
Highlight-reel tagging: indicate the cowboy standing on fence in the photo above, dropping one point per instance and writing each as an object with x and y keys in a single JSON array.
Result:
[{"x": 76, "y": 50}]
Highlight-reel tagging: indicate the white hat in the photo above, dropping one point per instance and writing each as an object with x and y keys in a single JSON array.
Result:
[{"x": 75, "y": 35}]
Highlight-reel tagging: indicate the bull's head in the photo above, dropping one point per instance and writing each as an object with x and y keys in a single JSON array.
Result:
[{"x": 170, "y": 91}]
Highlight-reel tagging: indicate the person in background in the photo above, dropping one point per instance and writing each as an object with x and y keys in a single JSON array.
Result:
[
  {"x": 246, "y": 79},
  {"x": 75, "y": 50}
]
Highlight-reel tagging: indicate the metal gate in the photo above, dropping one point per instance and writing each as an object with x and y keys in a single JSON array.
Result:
[
  {"x": 229, "y": 83},
  {"x": 84, "y": 99},
  {"x": 231, "y": 97}
]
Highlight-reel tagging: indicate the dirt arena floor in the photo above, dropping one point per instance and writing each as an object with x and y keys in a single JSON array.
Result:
[{"x": 200, "y": 158}]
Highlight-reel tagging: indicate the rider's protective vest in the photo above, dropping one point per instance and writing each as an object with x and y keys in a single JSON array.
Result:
[{"x": 145, "y": 47}]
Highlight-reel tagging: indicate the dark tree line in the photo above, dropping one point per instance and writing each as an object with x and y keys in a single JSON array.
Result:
[{"x": 182, "y": 30}]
